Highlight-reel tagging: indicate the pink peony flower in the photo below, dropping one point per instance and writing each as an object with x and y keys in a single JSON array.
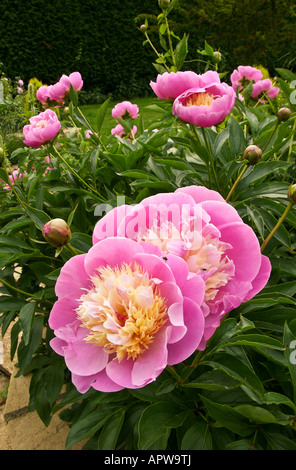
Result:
[
  {"x": 205, "y": 106},
  {"x": 42, "y": 128},
  {"x": 19, "y": 90},
  {"x": 20, "y": 82},
  {"x": 198, "y": 226},
  {"x": 125, "y": 109},
  {"x": 120, "y": 131},
  {"x": 43, "y": 95},
  {"x": 16, "y": 175},
  {"x": 265, "y": 86},
  {"x": 243, "y": 75},
  {"x": 59, "y": 91},
  {"x": 170, "y": 85},
  {"x": 123, "y": 314}
]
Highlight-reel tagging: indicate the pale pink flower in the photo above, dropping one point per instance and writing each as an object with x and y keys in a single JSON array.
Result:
[
  {"x": 170, "y": 85},
  {"x": 43, "y": 94},
  {"x": 123, "y": 314},
  {"x": 244, "y": 75},
  {"x": 265, "y": 86},
  {"x": 205, "y": 106},
  {"x": 196, "y": 224},
  {"x": 125, "y": 109},
  {"x": 60, "y": 90},
  {"x": 42, "y": 128},
  {"x": 19, "y": 90},
  {"x": 21, "y": 83}
]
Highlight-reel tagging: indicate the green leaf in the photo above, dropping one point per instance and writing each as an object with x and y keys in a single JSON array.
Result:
[
  {"x": 40, "y": 218},
  {"x": 26, "y": 317},
  {"x": 157, "y": 420},
  {"x": 256, "y": 414},
  {"x": 110, "y": 432},
  {"x": 229, "y": 417},
  {"x": 100, "y": 116},
  {"x": 73, "y": 95},
  {"x": 213, "y": 380},
  {"x": 289, "y": 341},
  {"x": 181, "y": 52},
  {"x": 197, "y": 437},
  {"x": 237, "y": 140},
  {"x": 90, "y": 424},
  {"x": 286, "y": 74}
]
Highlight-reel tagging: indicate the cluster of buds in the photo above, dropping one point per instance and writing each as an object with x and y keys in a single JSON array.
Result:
[
  {"x": 252, "y": 154},
  {"x": 57, "y": 232}
]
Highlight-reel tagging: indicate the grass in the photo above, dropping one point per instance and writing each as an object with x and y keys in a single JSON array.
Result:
[{"x": 148, "y": 114}]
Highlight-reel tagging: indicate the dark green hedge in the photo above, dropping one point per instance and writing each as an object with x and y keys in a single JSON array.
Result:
[{"x": 101, "y": 39}]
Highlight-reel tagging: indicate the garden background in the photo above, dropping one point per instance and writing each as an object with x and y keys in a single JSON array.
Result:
[{"x": 239, "y": 392}]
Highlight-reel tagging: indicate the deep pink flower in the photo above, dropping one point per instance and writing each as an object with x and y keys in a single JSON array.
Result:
[
  {"x": 265, "y": 86},
  {"x": 197, "y": 225},
  {"x": 243, "y": 75},
  {"x": 125, "y": 108},
  {"x": 205, "y": 106},
  {"x": 120, "y": 131},
  {"x": 43, "y": 95},
  {"x": 42, "y": 128},
  {"x": 123, "y": 314},
  {"x": 170, "y": 85},
  {"x": 16, "y": 175}
]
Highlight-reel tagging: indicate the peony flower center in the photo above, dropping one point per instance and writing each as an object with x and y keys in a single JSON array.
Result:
[
  {"x": 123, "y": 311},
  {"x": 42, "y": 123},
  {"x": 199, "y": 99},
  {"x": 202, "y": 250}
]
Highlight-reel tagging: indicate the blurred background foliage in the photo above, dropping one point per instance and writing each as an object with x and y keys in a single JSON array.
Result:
[{"x": 103, "y": 41}]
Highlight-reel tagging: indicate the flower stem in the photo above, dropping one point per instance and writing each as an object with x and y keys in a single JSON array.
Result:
[
  {"x": 90, "y": 127},
  {"x": 236, "y": 182},
  {"x": 26, "y": 294},
  {"x": 71, "y": 249},
  {"x": 271, "y": 135},
  {"x": 280, "y": 221},
  {"x": 290, "y": 149},
  {"x": 170, "y": 42},
  {"x": 76, "y": 174},
  {"x": 156, "y": 52},
  {"x": 211, "y": 162}
]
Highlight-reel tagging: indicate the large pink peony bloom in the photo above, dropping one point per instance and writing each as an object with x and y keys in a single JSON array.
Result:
[
  {"x": 265, "y": 86},
  {"x": 170, "y": 85},
  {"x": 205, "y": 106},
  {"x": 42, "y": 128},
  {"x": 198, "y": 226},
  {"x": 124, "y": 313},
  {"x": 243, "y": 75},
  {"x": 125, "y": 108}
]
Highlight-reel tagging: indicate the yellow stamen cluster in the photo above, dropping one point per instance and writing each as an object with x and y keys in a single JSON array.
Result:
[
  {"x": 123, "y": 311},
  {"x": 199, "y": 99}
]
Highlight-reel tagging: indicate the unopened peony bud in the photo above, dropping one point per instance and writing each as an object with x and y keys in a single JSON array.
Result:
[
  {"x": 253, "y": 153},
  {"x": 292, "y": 193},
  {"x": 2, "y": 153},
  {"x": 284, "y": 114},
  {"x": 217, "y": 57},
  {"x": 57, "y": 232},
  {"x": 164, "y": 4},
  {"x": 143, "y": 28}
]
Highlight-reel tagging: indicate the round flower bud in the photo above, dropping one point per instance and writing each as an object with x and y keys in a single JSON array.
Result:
[
  {"x": 164, "y": 4},
  {"x": 143, "y": 28},
  {"x": 57, "y": 232},
  {"x": 284, "y": 114},
  {"x": 217, "y": 57},
  {"x": 2, "y": 153},
  {"x": 292, "y": 193},
  {"x": 253, "y": 153}
]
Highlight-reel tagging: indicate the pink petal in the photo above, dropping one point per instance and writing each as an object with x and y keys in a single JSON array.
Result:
[
  {"x": 107, "y": 226},
  {"x": 73, "y": 278},
  {"x": 63, "y": 312},
  {"x": 200, "y": 193}
]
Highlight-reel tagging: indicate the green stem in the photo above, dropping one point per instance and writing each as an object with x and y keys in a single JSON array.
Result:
[
  {"x": 271, "y": 135},
  {"x": 76, "y": 174},
  {"x": 279, "y": 223},
  {"x": 156, "y": 52},
  {"x": 90, "y": 127},
  {"x": 170, "y": 42},
  {"x": 290, "y": 149},
  {"x": 26, "y": 294},
  {"x": 236, "y": 182},
  {"x": 211, "y": 163},
  {"x": 172, "y": 371},
  {"x": 192, "y": 366},
  {"x": 71, "y": 249}
]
